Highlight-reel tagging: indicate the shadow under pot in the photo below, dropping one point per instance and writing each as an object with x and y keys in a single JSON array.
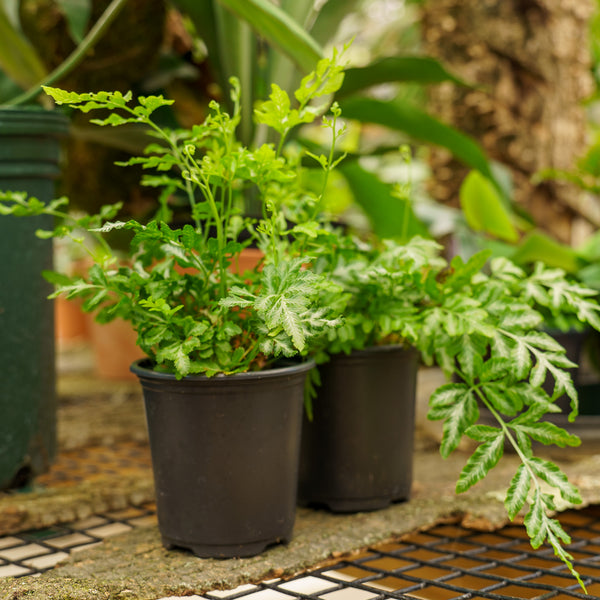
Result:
[
  {"x": 357, "y": 451},
  {"x": 225, "y": 453}
]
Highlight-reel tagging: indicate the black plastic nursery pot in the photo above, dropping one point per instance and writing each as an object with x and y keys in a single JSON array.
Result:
[
  {"x": 582, "y": 348},
  {"x": 29, "y": 162},
  {"x": 225, "y": 454},
  {"x": 357, "y": 451}
]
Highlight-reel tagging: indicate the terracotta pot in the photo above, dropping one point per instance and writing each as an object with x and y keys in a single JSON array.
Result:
[
  {"x": 248, "y": 259},
  {"x": 114, "y": 349},
  {"x": 70, "y": 322}
]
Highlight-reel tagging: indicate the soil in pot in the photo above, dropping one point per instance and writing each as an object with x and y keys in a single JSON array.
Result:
[
  {"x": 225, "y": 454},
  {"x": 357, "y": 451}
]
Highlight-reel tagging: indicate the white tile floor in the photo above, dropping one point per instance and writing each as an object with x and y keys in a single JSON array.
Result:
[{"x": 31, "y": 553}]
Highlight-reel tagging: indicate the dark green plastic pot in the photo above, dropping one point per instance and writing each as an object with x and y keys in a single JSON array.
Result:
[
  {"x": 357, "y": 452},
  {"x": 29, "y": 162},
  {"x": 225, "y": 453}
]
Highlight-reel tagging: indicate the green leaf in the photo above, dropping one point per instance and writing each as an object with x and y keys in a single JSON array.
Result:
[
  {"x": 458, "y": 418},
  {"x": 496, "y": 395},
  {"x": 547, "y": 433},
  {"x": 329, "y": 18},
  {"x": 55, "y": 278},
  {"x": 419, "y": 69},
  {"x": 279, "y": 29},
  {"x": 485, "y": 457},
  {"x": 554, "y": 477},
  {"x": 419, "y": 125},
  {"x": 470, "y": 357},
  {"x": 484, "y": 208},
  {"x": 537, "y": 246},
  {"x": 495, "y": 368},
  {"x": 522, "y": 360},
  {"x": 18, "y": 58},
  {"x": 516, "y": 495},
  {"x": 535, "y": 521},
  {"x": 390, "y": 216},
  {"x": 77, "y": 13},
  {"x": 447, "y": 395},
  {"x": 483, "y": 433}
]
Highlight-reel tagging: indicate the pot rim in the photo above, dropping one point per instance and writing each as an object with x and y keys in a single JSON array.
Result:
[
  {"x": 384, "y": 348},
  {"x": 32, "y": 120},
  {"x": 142, "y": 368}
]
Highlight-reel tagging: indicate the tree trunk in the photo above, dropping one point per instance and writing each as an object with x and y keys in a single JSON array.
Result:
[{"x": 531, "y": 61}]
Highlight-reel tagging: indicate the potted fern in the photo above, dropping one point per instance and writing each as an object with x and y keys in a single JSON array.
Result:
[{"x": 223, "y": 380}]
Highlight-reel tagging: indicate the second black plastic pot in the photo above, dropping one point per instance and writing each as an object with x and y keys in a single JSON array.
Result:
[
  {"x": 357, "y": 451},
  {"x": 225, "y": 453}
]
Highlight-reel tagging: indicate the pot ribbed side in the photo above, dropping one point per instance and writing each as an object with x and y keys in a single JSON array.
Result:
[
  {"x": 357, "y": 451},
  {"x": 225, "y": 454}
]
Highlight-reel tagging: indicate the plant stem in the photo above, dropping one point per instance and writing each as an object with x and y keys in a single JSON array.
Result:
[{"x": 88, "y": 42}]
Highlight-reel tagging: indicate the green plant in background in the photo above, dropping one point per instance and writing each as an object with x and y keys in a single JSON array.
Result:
[
  {"x": 493, "y": 223},
  {"x": 262, "y": 42},
  {"x": 22, "y": 71}
]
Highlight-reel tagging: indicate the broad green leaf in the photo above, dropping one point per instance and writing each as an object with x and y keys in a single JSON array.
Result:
[
  {"x": 485, "y": 457},
  {"x": 537, "y": 246},
  {"x": 279, "y": 29},
  {"x": 390, "y": 216},
  {"x": 18, "y": 58},
  {"x": 77, "y": 13},
  {"x": 419, "y": 125},
  {"x": 419, "y": 69},
  {"x": 516, "y": 495},
  {"x": 484, "y": 208},
  {"x": 330, "y": 16},
  {"x": 543, "y": 341},
  {"x": 57, "y": 278},
  {"x": 538, "y": 373}
]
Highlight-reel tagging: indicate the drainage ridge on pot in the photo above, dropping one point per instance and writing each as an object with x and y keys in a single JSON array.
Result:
[
  {"x": 357, "y": 451},
  {"x": 225, "y": 454}
]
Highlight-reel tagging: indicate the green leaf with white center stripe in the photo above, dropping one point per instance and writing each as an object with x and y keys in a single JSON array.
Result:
[
  {"x": 518, "y": 491},
  {"x": 485, "y": 457}
]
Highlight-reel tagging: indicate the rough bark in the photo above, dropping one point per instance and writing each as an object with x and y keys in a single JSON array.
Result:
[{"x": 530, "y": 60}]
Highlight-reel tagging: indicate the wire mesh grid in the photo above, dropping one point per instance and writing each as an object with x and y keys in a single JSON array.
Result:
[
  {"x": 450, "y": 562},
  {"x": 446, "y": 562}
]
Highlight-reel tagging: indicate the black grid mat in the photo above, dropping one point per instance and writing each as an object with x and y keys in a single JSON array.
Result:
[
  {"x": 446, "y": 562},
  {"x": 450, "y": 562}
]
